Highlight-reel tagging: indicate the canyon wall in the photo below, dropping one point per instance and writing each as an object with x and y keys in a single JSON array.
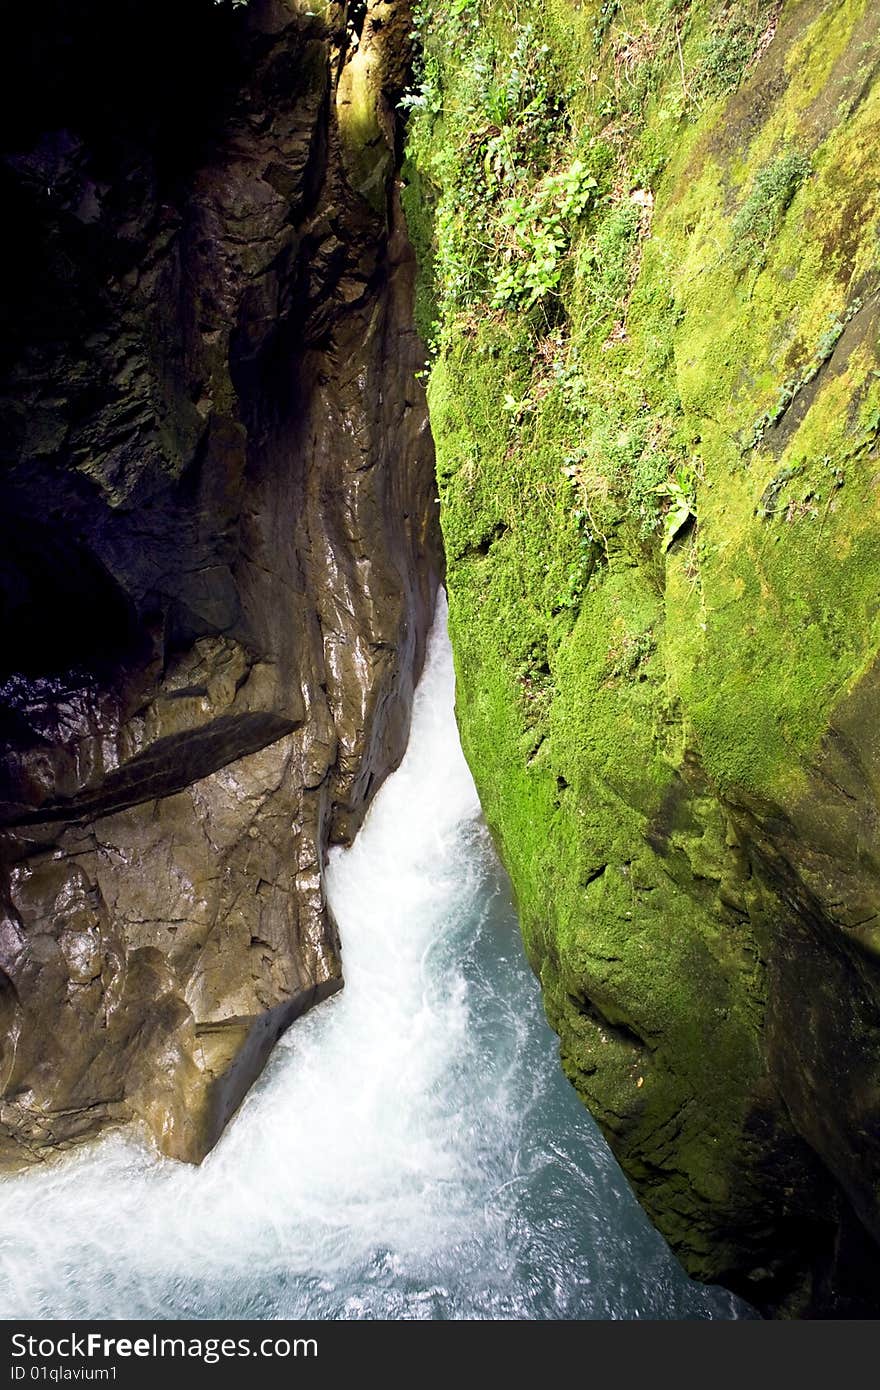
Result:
[
  {"x": 649, "y": 239},
  {"x": 219, "y": 544}
]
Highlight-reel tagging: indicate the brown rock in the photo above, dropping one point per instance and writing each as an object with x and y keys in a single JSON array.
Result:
[{"x": 221, "y": 557}]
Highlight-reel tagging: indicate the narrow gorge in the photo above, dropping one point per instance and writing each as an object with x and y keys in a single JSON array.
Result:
[
  {"x": 220, "y": 544},
  {"x": 310, "y": 309}
]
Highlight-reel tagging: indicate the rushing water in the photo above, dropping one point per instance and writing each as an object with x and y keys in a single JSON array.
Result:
[{"x": 413, "y": 1149}]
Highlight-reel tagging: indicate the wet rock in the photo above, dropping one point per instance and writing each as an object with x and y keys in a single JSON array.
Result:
[{"x": 220, "y": 551}]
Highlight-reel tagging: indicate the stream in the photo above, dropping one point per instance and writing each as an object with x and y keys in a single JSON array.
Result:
[{"x": 412, "y": 1150}]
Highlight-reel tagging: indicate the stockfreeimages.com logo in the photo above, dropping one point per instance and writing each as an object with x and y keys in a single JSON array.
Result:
[{"x": 96, "y": 1346}]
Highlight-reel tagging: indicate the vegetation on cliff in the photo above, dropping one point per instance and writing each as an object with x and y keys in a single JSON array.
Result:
[{"x": 649, "y": 240}]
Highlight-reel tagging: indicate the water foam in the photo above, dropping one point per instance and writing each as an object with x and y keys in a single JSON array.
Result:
[{"x": 412, "y": 1149}]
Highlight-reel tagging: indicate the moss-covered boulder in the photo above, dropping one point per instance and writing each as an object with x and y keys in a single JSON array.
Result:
[{"x": 650, "y": 244}]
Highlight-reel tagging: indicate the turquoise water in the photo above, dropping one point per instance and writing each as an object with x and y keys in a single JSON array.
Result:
[{"x": 413, "y": 1149}]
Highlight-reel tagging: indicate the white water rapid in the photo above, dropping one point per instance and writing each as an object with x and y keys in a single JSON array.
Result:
[{"x": 412, "y": 1150}]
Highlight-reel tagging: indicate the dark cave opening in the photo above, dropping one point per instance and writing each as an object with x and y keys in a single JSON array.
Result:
[{"x": 61, "y": 611}]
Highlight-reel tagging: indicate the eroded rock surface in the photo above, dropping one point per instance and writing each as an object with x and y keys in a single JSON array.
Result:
[{"x": 219, "y": 548}]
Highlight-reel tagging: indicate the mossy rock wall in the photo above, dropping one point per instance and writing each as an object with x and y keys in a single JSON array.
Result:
[{"x": 649, "y": 238}]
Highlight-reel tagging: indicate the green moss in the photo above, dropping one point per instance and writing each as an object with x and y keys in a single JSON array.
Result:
[
  {"x": 626, "y": 680},
  {"x": 366, "y": 153},
  {"x": 760, "y": 216},
  {"x": 418, "y": 207}
]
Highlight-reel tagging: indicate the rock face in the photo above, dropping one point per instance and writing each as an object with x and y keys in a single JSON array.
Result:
[
  {"x": 219, "y": 545},
  {"x": 656, "y": 410}
]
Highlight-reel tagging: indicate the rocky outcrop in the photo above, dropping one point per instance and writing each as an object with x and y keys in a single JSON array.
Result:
[
  {"x": 656, "y": 409},
  {"x": 219, "y": 551}
]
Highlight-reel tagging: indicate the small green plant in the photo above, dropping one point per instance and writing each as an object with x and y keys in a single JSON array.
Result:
[
  {"x": 630, "y": 653},
  {"x": 872, "y": 422},
  {"x": 504, "y": 124},
  {"x": 725, "y": 55},
  {"x": 607, "y": 266},
  {"x": 760, "y": 216},
  {"x": 515, "y": 407},
  {"x": 792, "y": 388},
  {"x": 427, "y": 93},
  {"x": 680, "y": 493},
  {"x": 641, "y": 476},
  {"x": 607, "y": 10},
  {"x": 538, "y": 236},
  {"x": 769, "y": 503},
  {"x": 536, "y": 684},
  {"x": 743, "y": 28},
  {"x": 525, "y": 84},
  {"x": 589, "y": 548}
]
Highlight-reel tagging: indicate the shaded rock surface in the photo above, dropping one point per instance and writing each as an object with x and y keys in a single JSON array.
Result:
[{"x": 219, "y": 546}]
